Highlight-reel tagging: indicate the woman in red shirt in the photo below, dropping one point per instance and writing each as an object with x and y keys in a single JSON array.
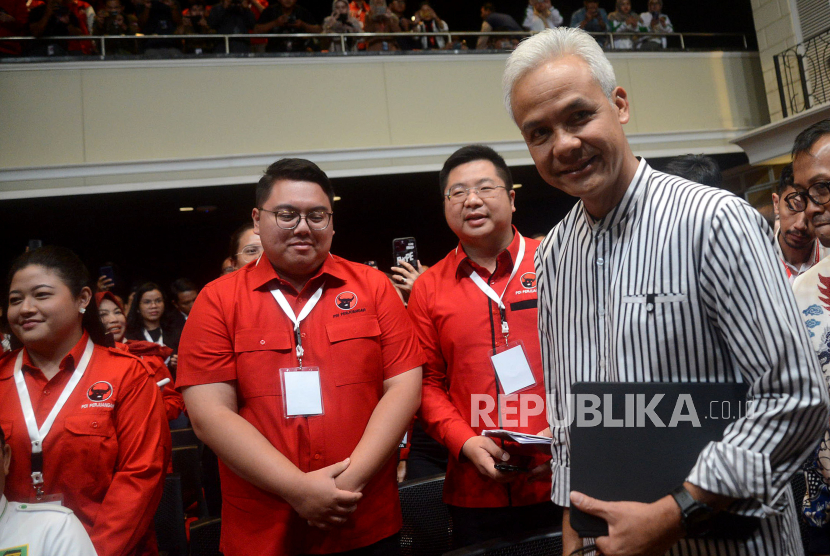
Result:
[
  {"x": 85, "y": 421},
  {"x": 111, "y": 312}
]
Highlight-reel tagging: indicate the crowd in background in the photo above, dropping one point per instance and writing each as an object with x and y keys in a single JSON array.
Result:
[{"x": 66, "y": 18}]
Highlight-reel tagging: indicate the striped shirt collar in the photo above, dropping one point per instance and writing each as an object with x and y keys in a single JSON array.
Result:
[{"x": 628, "y": 206}]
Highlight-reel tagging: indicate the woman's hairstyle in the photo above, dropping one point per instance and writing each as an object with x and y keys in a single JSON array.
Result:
[
  {"x": 73, "y": 273},
  {"x": 135, "y": 323}
]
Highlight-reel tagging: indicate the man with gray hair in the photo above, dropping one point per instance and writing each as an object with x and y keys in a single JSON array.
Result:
[{"x": 653, "y": 278}]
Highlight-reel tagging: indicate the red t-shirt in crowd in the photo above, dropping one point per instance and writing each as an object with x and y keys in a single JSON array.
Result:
[
  {"x": 459, "y": 326},
  {"x": 107, "y": 451},
  {"x": 154, "y": 357},
  {"x": 358, "y": 335}
]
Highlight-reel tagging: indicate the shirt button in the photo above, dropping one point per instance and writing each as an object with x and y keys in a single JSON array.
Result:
[
  {"x": 601, "y": 311},
  {"x": 649, "y": 307},
  {"x": 317, "y": 456},
  {"x": 95, "y": 424},
  {"x": 600, "y": 261},
  {"x": 262, "y": 342},
  {"x": 302, "y": 335},
  {"x": 46, "y": 392}
]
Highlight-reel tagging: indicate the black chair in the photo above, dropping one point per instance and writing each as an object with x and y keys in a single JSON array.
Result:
[
  {"x": 427, "y": 528},
  {"x": 184, "y": 437},
  {"x": 169, "y": 518},
  {"x": 204, "y": 537},
  {"x": 544, "y": 542},
  {"x": 187, "y": 463}
]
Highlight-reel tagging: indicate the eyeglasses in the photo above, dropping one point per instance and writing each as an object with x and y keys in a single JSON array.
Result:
[
  {"x": 819, "y": 193},
  {"x": 459, "y": 193},
  {"x": 251, "y": 250},
  {"x": 289, "y": 219}
]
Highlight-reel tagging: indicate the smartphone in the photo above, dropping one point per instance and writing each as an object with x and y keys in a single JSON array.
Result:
[
  {"x": 507, "y": 468},
  {"x": 405, "y": 249},
  {"x": 108, "y": 272},
  {"x": 35, "y": 244}
]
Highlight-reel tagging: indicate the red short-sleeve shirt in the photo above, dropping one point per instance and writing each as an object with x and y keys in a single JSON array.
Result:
[
  {"x": 106, "y": 452},
  {"x": 358, "y": 335},
  {"x": 458, "y": 326}
]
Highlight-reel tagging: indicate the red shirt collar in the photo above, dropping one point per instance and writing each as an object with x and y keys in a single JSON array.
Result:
[
  {"x": 263, "y": 273},
  {"x": 68, "y": 363},
  {"x": 463, "y": 263}
]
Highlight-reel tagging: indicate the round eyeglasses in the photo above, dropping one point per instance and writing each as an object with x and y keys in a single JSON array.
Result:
[
  {"x": 459, "y": 193},
  {"x": 819, "y": 193},
  {"x": 288, "y": 219},
  {"x": 251, "y": 250}
]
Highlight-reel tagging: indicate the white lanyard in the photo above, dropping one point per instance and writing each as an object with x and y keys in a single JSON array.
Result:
[
  {"x": 150, "y": 338},
  {"x": 278, "y": 295},
  {"x": 485, "y": 287},
  {"x": 37, "y": 436}
]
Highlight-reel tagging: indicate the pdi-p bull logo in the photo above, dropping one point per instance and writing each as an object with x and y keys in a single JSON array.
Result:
[
  {"x": 346, "y": 300},
  {"x": 528, "y": 280},
  {"x": 100, "y": 391}
]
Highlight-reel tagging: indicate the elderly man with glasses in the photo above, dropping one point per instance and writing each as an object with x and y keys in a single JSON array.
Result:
[
  {"x": 302, "y": 371},
  {"x": 795, "y": 239}
]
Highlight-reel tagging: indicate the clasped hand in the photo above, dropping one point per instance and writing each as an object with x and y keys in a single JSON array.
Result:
[{"x": 320, "y": 502}]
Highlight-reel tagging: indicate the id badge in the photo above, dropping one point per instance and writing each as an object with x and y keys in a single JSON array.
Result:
[
  {"x": 512, "y": 368},
  {"x": 302, "y": 395},
  {"x": 56, "y": 499}
]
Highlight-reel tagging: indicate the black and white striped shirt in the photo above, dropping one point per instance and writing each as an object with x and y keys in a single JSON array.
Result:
[{"x": 679, "y": 282}]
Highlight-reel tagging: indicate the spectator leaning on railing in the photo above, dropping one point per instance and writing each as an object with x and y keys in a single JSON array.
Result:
[
  {"x": 60, "y": 18},
  {"x": 13, "y": 19},
  {"x": 654, "y": 21},
  {"x": 285, "y": 16},
  {"x": 624, "y": 20},
  {"x": 590, "y": 17},
  {"x": 426, "y": 20},
  {"x": 195, "y": 22},
  {"x": 494, "y": 21},
  {"x": 540, "y": 15},
  {"x": 381, "y": 20},
  {"x": 340, "y": 21},
  {"x": 233, "y": 17}
]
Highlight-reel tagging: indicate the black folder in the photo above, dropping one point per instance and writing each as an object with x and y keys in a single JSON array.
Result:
[{"x": 626, "y": 455}]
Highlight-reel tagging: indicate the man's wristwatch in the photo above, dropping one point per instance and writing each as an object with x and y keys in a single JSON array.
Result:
[{"x": 694, "y": 516}]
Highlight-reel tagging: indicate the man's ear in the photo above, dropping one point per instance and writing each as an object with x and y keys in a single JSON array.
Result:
[{"x": 775, "y": 203}]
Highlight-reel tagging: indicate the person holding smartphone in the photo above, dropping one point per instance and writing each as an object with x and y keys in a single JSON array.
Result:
[
  {"x": 340, "y": 21},
  {"x": 473, "y": 310},
  {"x": 654, "y": 21}
]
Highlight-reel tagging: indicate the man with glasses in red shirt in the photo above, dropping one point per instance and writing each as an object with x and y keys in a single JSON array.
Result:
[
  {"x": 475, "y": 313},
  {"x": 302, "y": 371}
]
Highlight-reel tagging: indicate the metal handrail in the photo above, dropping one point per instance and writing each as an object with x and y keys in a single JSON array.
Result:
[
  {"x": 803, "y": 74},
  {"x": 342, "y": 37}
]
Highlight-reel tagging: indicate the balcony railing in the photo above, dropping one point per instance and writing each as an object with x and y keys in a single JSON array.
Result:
[
  {"x": 120, "y": 46},
  {"x": 803, "y": 74}
]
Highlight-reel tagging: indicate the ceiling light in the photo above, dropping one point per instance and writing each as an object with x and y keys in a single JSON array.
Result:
[{"x": 185, "y": 209}]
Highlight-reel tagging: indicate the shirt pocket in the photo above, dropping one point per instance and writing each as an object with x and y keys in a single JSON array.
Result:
[
  {"x": 92, "y": 445},
  {"x": 355, "y": 350},
  {"x": 257, "y": 360},
  {"x": 653, "y": 301}
]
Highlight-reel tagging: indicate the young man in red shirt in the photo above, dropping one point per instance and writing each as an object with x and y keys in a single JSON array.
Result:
[
  {"x": 471, "y": 310},
  {"x": 301, "y": 371}
]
